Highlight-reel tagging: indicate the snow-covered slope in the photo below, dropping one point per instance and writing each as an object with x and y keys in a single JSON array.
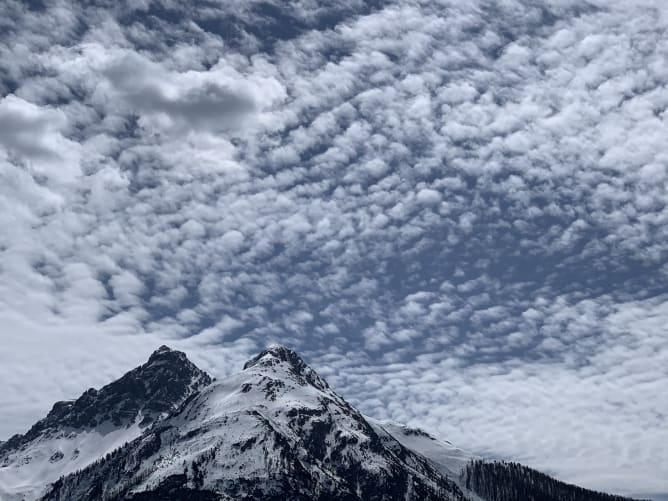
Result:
[
  {"x": 451, "y": 460},
  {"x": 25, "y": 474},
  {"x": 446, "y": 458},
  {"x": 76, "y": 433},
  {"x": 274, "y": 431}
]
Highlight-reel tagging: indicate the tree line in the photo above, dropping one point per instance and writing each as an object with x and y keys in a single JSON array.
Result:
[{"x": 508, "y": 481}]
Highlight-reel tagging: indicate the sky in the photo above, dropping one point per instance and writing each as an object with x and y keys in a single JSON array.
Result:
[{"x": 455, "y": 211}]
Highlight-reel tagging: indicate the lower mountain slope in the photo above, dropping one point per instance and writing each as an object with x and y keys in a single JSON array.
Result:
[{"x": 445, "y": 457}]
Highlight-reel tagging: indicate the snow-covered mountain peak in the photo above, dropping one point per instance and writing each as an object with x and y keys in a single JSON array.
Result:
[
  {"x": 153, "y": 388},
  {"x": 165, "y": 350},
  {"x": 275, "y": 354},
  {"x": 280, "y": 362},
  {"x": 173, "y": 359}
]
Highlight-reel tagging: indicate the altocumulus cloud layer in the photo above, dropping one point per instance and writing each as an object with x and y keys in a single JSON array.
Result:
[{"x": 455, "y": 210}]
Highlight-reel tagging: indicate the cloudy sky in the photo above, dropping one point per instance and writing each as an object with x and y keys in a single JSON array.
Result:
[{"x": 456, "y": 211}]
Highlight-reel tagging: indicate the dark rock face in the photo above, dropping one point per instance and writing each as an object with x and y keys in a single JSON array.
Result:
[{"x": 157, "y": 387}]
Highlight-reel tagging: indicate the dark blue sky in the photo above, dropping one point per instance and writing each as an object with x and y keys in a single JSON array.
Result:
[{"x": 456, "y": 213}]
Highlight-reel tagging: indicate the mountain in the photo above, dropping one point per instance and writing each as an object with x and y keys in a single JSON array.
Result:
[{"x": 274, "y": 431}]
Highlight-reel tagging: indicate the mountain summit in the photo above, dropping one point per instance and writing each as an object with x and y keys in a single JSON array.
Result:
[
  {"x": 277, "y": 355},
  {"x": 274, "y": 431},
  {"x": 154, "y": 388}
]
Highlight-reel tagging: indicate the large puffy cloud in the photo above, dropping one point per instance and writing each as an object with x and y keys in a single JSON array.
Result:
[
  {"x": 215, "y": 100},
  {"x": 457, "y": 212}
]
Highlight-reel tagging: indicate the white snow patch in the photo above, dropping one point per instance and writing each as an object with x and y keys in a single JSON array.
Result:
[{"x": 26, "y": 473}]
